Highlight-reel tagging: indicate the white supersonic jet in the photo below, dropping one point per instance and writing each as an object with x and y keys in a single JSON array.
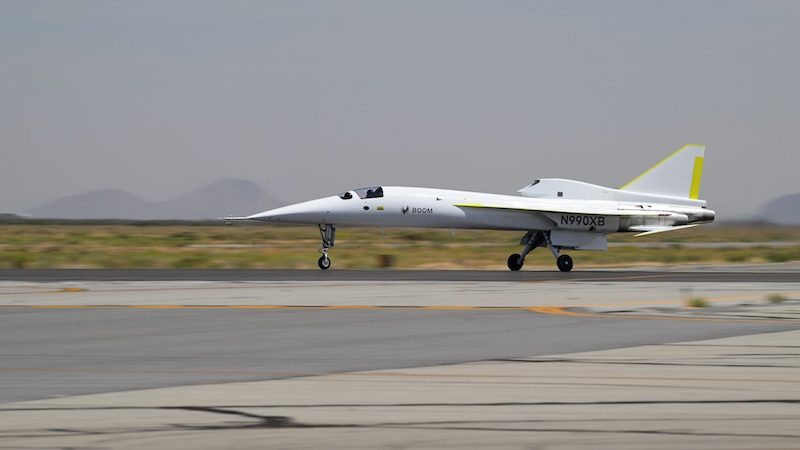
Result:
[{"x": 557, "y": 213}]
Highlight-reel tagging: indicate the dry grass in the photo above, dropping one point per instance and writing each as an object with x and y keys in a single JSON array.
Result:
[{"x": 264, "y": 246}]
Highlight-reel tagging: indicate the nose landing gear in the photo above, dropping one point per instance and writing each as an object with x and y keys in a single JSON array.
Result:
[
  {"x": 534, "y": 239},
  {"x": 328, "y": 234},
  {"x": 324, "y": 262}
]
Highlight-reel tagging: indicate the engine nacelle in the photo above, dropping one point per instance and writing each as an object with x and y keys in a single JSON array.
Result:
[{"x": 653, "y": 219}]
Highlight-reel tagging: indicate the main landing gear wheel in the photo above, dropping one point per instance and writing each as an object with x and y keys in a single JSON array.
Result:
[
  {"x": 515, "y": 262},
  {"x": 324, "y": 262},
  {"x": 564, "y": 263},
  {"x": 530, "y": 241}
]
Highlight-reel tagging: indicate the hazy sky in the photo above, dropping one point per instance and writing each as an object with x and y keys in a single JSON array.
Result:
[{"x": 311, "y": 98}]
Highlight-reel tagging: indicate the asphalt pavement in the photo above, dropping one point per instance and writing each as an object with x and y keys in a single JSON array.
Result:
[
  {"x": 54, "y": 352},
  {"x": 654, "y": 275}
]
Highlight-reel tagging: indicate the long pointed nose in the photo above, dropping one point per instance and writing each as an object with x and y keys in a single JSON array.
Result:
[{"x": 313, "y": 211}]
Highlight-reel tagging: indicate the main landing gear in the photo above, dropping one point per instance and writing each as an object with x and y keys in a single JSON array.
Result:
[
  {"x": 564, "y": 263},
  {"x": 328, "y": 234},
  {"x": 534, "y": 239}
]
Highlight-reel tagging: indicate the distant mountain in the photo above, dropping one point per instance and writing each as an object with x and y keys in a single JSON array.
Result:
[
  {"x": 221, "y": 198},
  {"x": 784, "y": 210},
  {"x": 100, "y": 204},
  {"x": 14, "y": 216},
  {"x": 228, "y": 196}
]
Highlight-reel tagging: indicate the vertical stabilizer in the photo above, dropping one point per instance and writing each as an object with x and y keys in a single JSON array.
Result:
[{"x": 677, "y": 175}]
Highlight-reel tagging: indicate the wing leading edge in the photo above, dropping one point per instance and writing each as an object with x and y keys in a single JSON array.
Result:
[{"x": 602, "y": 210}]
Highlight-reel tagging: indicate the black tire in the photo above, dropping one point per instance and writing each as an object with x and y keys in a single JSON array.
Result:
[
  {"x": 514, "y": 263},
  {"x": 324, "y": 263},
  {"x": 564, "y": 263}
]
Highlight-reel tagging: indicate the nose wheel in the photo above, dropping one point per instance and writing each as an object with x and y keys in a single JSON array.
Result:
[{"x": 328, "y": 235}]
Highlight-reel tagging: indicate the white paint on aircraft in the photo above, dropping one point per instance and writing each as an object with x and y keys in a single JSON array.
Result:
[{"x": 557, "y": 213}]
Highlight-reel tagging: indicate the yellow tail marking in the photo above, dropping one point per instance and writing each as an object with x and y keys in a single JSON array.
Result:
[
  {"x": 675, "y": 153},
  {"x": 625, "y": 186},
  {"x": 697, "y": 176}
]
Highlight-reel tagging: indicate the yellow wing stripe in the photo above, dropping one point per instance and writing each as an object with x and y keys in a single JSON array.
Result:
[
  {"x": 514, "y": 208},
  {"x": 697, "y": 177},
  {"x": 604, "y": 212}
]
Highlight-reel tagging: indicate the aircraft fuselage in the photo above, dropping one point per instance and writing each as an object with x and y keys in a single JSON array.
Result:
[
  {"x": 440, "y": 208},
  {"x": 556, "y": 213}
]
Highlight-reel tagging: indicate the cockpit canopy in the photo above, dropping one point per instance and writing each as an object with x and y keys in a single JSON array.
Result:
[{"x": 364, "y": 193}]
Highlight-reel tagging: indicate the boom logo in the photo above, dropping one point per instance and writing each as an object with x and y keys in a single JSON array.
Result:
[{"x": 416, "y": 210}]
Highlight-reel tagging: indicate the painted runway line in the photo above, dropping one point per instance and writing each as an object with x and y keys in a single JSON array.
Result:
[
  {"x": 655, "y": 275},
  {"x": 547, "y": 310}
]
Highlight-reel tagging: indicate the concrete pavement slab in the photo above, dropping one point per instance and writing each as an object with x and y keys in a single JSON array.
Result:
[{"x": 741, "y": 392}]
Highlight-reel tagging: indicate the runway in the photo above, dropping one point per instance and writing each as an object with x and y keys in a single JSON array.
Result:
[
  {"x": 47, "y": 353},
  {"x": 215, "y": 359},
  {"x": 655, "y": 275}
]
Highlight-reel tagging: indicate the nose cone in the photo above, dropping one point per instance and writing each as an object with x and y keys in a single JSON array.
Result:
[{"x": 313, "y": 212}]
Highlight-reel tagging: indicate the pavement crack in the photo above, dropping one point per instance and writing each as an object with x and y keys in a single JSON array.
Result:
[
  {"x": 264, "y": 421},
  {"x": 639, "y": 363},
  {"x": 231, "y": 409},
  {"x": 592, "y": 430},
  {"x": 260, "y": 421}
]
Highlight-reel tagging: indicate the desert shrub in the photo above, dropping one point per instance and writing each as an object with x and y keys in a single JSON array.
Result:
[
  {"x": 16, "y": 260},
  {"x": 191, "y": 262},
  {"x": 698, "y": 302},
  {"x": 776, "y": 298},
  {"x": 736, "y": 257},
  {"x": 182, "y": 239},
  {"x": 778, "y": 256}
]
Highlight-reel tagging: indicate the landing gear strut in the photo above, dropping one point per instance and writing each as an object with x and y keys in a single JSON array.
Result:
[
  {"x": 564, "y": 262},
  {"x": 328, "y": 234},
  {"x": 530, "y": 241},
  {"x": 534, "y": 239}
]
